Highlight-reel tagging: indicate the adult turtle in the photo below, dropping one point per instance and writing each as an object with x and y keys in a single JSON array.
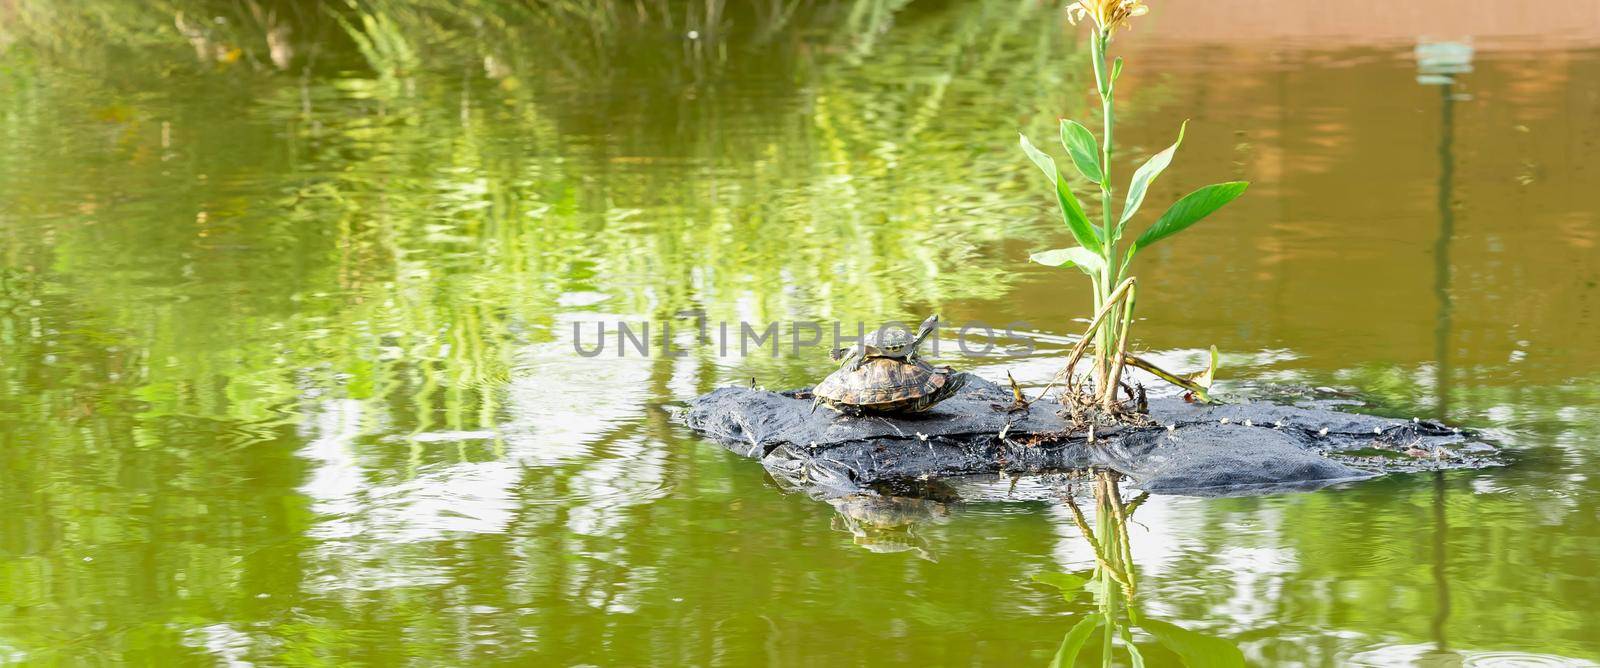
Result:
[
  {"x": 886, "y": 385},
  {"x": 889, "y": 342}
]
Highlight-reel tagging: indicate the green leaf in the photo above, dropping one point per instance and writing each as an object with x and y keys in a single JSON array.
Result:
[
  {"x": 1209, "y": 375},
  {"x": 1071, "y": 211},
  {"x": 1194, "y": 649},
  {"x": 1116, "y": 69},
  {"x": 1081, "y": 146},
  {"x": 1082, "y": 258},
  {"x": 1188, "y": 211},
  {"x": 1072, "y": 643},
  {"x": 1078, "y": 223},
  {"x": 1045, "y": 163},
  {"x": 1136, "y": 657},
  {"x": 1070, "y": 585},
  {"x": 1145, "y": 175}
]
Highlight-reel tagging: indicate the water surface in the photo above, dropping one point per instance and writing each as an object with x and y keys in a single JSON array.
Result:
[{"x": 286, "y": 364}]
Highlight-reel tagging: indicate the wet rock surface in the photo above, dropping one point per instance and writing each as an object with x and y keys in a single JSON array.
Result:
[{"x": 1187, "y": 449}]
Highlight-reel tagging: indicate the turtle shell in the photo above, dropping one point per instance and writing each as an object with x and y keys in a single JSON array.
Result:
[
  {"x": 888, "y": 341},
  {"x": 887, "y": 385}
]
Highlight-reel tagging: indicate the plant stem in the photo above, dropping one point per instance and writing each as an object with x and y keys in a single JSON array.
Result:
[
  {"x": 1094, "y": 326},
  {"x": 1200, "y": 392},
  {"x": 1108, "y": 401},
  {"x": 1106, "y": 337}
]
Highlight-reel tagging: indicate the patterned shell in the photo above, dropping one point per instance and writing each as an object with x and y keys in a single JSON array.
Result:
[
  {"x": 889, "y": 340},
  {"x": 883, "y": 383}
]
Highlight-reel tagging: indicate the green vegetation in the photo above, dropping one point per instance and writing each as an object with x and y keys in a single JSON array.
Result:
[
  {"x": 1099, "y": 254},
  {"x": 282, "y": 375},
  {"x": 1113, "y": 584},
  {"x": 216, "y": 269}
]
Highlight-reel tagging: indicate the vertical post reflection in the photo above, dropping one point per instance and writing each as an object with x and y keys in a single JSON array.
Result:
[
  {"x": 1437, "y": 65},
  {"x": 1441, "y": 250}
]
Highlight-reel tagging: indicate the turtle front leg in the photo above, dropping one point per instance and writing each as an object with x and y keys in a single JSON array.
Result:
[
  {"x": 849, "y": 358},
  {"x": 819, "y": 402}
]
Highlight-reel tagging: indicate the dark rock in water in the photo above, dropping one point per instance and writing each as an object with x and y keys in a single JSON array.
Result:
[{"x": 1188, "y": 448}]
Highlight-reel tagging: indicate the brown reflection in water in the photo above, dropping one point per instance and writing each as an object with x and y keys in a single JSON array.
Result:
[
  {"x": 1554, "y": 24},
  {"x": 1333, "y": 248}
]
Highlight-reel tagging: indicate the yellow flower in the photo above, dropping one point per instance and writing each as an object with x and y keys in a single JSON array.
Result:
[{"x": 1108, "y": 15}]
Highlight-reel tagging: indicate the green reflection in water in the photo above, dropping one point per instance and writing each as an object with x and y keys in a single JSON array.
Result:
[
  {"x": 285, "y": 361},
  {"x": 1113, "y": 583}
]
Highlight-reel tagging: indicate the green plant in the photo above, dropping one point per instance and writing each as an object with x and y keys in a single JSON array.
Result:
[
  {"x": 1100, "y": 254},
  {"x": 1113, "y": 585}
]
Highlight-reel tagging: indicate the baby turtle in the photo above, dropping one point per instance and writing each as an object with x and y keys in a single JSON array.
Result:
[
  {"x": 886, "y": 385},
  {"x": 890, "y": 342}
]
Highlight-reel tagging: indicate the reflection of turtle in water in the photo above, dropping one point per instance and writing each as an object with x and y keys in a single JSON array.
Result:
[
  {"x": 885, "y": 385},
  {"x": 885, "y": 524},
  {"x": 890, "y": 342}
]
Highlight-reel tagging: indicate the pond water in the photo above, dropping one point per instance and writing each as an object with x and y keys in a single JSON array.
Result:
[{"x": 287, "y": 372}]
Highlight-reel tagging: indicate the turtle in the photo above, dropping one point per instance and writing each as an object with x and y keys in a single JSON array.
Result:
[
  {"x": 886, "y": 385},
  {"x": 887, "y": 524},
  {"x": 892, "y": 342},
  {"x": 876, "y": 511}
]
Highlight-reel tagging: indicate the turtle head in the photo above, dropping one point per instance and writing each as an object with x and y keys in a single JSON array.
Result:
[{"x": 932, "y": 323}]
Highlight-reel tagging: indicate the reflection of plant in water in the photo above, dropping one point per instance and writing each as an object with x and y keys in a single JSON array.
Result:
[
  {"x": 363, "y": 256},
  {"x": 1114, "y": 585},
  {"x": 1098, "y": 254},
  {"x": 381, "y": 42},
  {"x": 432, "y": 198}
]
